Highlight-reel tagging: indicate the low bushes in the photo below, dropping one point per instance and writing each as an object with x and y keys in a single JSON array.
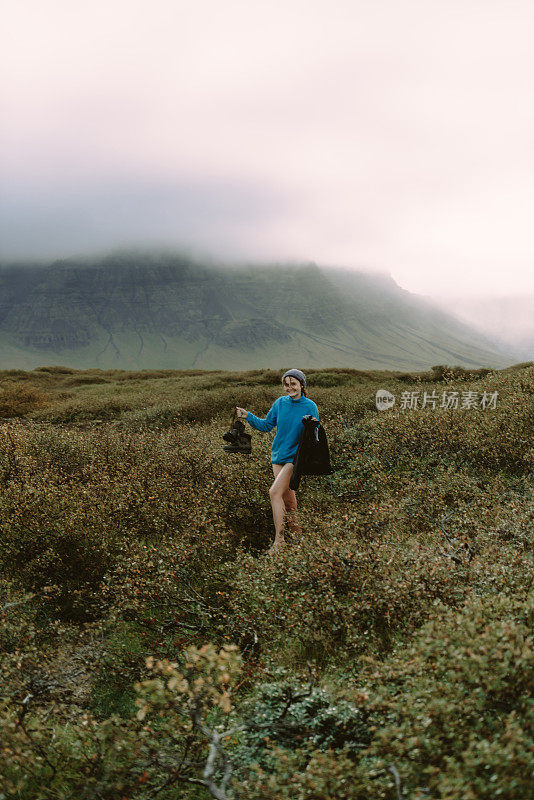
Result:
[
  {"x": 465, "y": 726},
  {"x": 328, "y": 379},
  {"x": 52, "y": 544},
  {"x": 326, "y": 601},
  {"x": 297, "y": 719},
  {"x": 405, "y": 595},
  {"x": 16, "y": 400},
  {"x": 450, "y": 717},
  {"x": 497, "y": 440}
]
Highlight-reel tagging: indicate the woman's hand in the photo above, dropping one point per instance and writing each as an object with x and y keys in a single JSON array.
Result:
[{"x": 241, "y": 412}]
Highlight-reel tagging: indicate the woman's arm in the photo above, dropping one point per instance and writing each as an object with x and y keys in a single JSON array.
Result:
[{"x": 264, "y": 425}]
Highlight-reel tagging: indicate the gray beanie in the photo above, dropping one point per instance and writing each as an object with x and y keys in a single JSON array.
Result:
[{"x": 295, "y": 373}]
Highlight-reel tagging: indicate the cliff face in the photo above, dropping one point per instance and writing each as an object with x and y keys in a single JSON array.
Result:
[{"x": 149, "y": 311}]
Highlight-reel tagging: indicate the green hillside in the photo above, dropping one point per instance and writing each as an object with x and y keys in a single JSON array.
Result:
[{"x": 134, "y": 311}]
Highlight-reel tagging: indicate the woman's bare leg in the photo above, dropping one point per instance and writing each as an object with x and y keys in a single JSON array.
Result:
[
  {"x": 290, "y": 501},
  {"x": 277, "y": 492}
]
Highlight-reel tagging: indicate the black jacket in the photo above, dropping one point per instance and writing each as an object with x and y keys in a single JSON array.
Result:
[{"x": 313, "y": 457}]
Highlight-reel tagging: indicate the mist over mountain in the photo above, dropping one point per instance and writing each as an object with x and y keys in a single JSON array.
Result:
[
  {"x": 136, "y": 310},
  {"x": 508, "y": 320}
]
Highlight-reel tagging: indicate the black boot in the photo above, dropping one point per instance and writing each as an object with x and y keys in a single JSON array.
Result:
[{"x": 238, "y": 440}]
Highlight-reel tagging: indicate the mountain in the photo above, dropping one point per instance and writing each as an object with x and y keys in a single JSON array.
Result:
[{"x": 157, "y": 311}]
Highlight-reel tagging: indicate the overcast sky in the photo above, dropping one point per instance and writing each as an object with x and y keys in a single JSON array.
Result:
[{"x": 392, "y": 134}]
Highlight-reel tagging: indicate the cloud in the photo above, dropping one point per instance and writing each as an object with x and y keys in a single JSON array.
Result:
[
  {"x": 394, "y": 135},
  {"x": 63, "y": 218}
]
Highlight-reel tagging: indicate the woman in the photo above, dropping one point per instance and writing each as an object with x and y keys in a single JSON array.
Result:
[{"x": 286, "y": 414}]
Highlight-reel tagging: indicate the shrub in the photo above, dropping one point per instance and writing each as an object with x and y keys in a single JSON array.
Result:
[
  {"x": 56, "y": 370},
  {"x": 156, "y": 416},
  {"x": 444, "y": 374},
  {"x": 496, "y": 440},
  {"x": 65, "y": 452},
  {"x": 72, "y": 411},
  {"x": 328, "y": 379},
  {"x": 16, "y": 400},
  {"x": 47, "y": 543},
  {"x": 467, "y": 680},
  {"x": 450, "y": 715},
  {"x": 297, "y": 718},
  {"x": 85, "y": 380},
  {"x": 326, "y": 601}
]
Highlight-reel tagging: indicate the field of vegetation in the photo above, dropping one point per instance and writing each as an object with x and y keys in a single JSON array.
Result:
[{"x": 151, "y": 649}]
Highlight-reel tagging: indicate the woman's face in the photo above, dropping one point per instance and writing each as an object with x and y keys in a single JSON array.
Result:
[{"x": 292, "y": 387}]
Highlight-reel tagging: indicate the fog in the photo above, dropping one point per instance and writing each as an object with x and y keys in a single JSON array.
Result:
[
  {"x": 508, "y": 319},
  {"x": 385, "y": 135}
]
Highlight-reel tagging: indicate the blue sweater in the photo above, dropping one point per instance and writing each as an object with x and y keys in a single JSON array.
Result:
[{"x": 286, "y": 414}]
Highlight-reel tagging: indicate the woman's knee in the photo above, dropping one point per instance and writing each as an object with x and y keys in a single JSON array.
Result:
[
  {"x": 275, "y": 493},
  {"x": 287, "y": 496}
]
